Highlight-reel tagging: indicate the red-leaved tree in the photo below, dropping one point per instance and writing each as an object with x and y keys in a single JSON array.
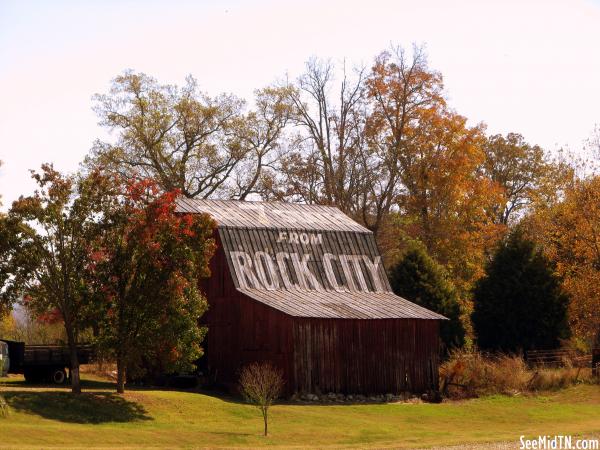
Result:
[{"x": 146, "y": 268}]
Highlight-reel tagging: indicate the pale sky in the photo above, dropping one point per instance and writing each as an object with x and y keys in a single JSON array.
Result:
[{"x": 526, "y": 66}]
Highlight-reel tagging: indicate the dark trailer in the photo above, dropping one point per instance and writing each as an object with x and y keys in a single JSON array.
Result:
[
  {"x": 44, "y": 362},
  {"x": 304, "y": 287}
]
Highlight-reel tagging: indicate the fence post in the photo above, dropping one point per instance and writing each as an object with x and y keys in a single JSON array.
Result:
[{"x": 596, "y": 362}]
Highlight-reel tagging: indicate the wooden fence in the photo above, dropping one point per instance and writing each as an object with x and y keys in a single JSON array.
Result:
[{"x": 557, "y": 358}]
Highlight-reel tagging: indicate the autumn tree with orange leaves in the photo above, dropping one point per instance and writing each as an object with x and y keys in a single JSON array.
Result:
[
  {"x": 440, "y": 197},
  {"x": 570, "y": 233}
]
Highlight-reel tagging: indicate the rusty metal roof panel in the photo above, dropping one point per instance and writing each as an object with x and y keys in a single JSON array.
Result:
[{"x": 244, "y": 214}]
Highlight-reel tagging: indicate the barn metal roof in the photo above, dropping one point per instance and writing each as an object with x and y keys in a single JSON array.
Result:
[
  {"x": 232, "y": 213},
  {"x": 337, "y": 243},
  {"x": 305, "y": 260},
  {"x": 357, "y": 305}
]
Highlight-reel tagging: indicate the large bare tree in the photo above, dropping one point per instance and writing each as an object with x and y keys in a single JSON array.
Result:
[
  {"x": 261, "y": 134},
  {"x": 325, "y": 166},
  {"x": 357, "y": 137}
]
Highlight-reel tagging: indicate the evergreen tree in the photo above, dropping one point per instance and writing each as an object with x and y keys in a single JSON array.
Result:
[
  {"x": 519, "y": 303},
  {"x": 418, "y": 278}
]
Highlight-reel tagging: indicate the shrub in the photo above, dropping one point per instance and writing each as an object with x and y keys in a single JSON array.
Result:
[
  {"x": 470, "y": 373},
  {"x": 261, "y": 384},
  {"x": 546, "y": 379}
]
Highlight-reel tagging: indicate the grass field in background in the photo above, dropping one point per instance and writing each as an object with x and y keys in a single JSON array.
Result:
[{"x": 44, "y": 417}]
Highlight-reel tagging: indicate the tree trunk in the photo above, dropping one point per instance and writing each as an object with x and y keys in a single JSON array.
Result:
[
  {"x": 121, "y": 375},
  {"x": 74, "y": 370},
  {"x": 265, "y": 417}
]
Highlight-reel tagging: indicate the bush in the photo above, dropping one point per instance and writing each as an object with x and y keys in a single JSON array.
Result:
[
  {"x": 547, "y": 379},
  {"x": 261, "y": 385},
  {"x": 470, "y": 373}
]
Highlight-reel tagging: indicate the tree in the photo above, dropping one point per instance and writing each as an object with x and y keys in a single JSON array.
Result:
[
  {"x": 260, "y": 133},
  {"x": 261, "y": 385},
  {"x": 31, "y": 327},
  {"x": 147, "y": 264},
  {"x": 519, "y": 304},
  {"x": 8, "y": 326},
  {"x": 569, "y": 231},
  {"x": 521, "y": 170},
  {"x": 421, "y": 280},
  {"x": 326, "y": 164},
  {"x": 401, "y": 91},
  {"x": 187, "y": 140},
  {"x": 4, "y": 240},
  {"x": 429, "y": 173},
  {"x": 349, "y": 149},
  {"x": 385, "y": 142},
  {"x": 45, "y": 249}
]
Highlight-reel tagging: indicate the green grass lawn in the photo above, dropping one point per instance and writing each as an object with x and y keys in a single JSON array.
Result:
[{"x": 48, "y": 417}]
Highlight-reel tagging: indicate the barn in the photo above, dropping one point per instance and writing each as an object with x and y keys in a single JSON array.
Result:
[{"x": 303, "y": 286}]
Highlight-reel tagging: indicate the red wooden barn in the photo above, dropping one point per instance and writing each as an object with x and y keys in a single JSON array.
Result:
[{"x": 303, "y": 286}]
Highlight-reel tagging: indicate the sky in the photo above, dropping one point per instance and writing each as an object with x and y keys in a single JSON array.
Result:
[{"x": 526, "y": 66}]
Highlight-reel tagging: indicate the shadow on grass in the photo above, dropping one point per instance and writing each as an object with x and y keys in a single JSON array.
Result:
[
  {"x": 92, "y": 408},
  {"x": 20, "y": 383},
  {"x": 231, "y": 433}
]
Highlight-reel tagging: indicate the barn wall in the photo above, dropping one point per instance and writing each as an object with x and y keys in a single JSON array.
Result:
[
  {"x": 365, "y": 356},
  {"x": 240, "y": 329}
]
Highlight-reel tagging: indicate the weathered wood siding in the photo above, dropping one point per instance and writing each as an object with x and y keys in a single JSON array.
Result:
[
  {"x": 365, "y": 356},
  {"x": 325, "y": 274},
  {"x": 315, "y": 245},
  {"x": 241, "y": 330}
]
